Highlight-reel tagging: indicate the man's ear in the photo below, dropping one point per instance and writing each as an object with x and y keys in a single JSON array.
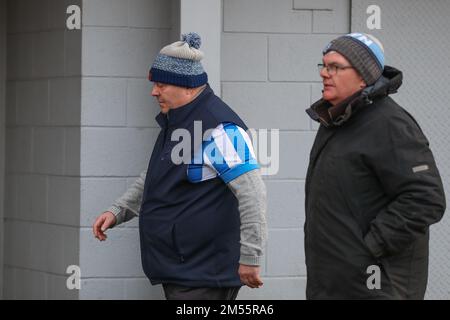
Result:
[
  {"x": 362, "y": 84},
  {"x": 190, "y": 91}
]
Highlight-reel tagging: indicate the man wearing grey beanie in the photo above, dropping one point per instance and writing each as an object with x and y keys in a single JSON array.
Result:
[
  {"x": 372, "y": 187},
  {"x": 201, "y": 207}
]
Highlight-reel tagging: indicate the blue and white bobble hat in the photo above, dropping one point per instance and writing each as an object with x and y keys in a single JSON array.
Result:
[
  {"x": 364, "y": 52},
  {"x": 179, "y": 63}
]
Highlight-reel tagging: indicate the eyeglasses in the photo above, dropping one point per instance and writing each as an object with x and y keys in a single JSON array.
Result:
[{"x": 332, "y": 69}]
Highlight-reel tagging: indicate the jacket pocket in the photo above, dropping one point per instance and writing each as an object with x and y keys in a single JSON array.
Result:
[{"x": 176, "y": 244}]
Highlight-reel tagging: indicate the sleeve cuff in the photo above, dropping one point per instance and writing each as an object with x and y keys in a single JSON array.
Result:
[
  {"x": 117, "y": 213},
  {"x": 250, "y": 260}
]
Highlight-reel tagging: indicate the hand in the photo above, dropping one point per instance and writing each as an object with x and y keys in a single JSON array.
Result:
[
  {"x": 250, "y": 276},
  {"x": 102, "y": 223}
]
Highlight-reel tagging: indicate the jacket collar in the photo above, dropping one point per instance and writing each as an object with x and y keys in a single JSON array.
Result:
[
  {"x": 176, "y": 116},
  {"x": 333, "y": 116}
]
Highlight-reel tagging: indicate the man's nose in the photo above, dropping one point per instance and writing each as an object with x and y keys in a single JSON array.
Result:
[
  {"x": 324, "y": 73},
  {"x": 155, "y": 91}
]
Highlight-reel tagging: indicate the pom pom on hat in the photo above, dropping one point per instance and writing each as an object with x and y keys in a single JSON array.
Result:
[{"x": 192, "y": 39}]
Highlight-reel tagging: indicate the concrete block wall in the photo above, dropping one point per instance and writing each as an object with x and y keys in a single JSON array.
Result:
[
  {"x": 270, "y": 52},
  {"x": 42, "y": 197},
  {"x": 120, "y": 41}
]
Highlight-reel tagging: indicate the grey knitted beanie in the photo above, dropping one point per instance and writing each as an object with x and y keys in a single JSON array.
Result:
[{"x": 364, "y": 52}]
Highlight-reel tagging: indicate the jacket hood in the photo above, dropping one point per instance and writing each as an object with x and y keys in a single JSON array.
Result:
[{"x": 331, "y": 116}]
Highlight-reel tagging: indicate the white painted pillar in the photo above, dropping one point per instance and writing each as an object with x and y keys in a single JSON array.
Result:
[{"x": 205, "y": 18}]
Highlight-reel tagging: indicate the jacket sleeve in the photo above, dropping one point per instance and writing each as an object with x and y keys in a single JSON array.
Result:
[
  {"x": 127, "y": 206},
  {"x": 407, "y": 172}
]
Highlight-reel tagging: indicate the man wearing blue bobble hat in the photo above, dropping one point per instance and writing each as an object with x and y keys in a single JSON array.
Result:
[
  {"x": 372, "y": 187},
  {"x": 201, "y": 220}
]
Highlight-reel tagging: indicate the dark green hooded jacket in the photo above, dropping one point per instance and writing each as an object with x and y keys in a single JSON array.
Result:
[{"x": 372, "y": 191}]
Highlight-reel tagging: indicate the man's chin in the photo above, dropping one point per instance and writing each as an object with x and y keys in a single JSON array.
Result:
[{"x": 327, "y": 96}]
